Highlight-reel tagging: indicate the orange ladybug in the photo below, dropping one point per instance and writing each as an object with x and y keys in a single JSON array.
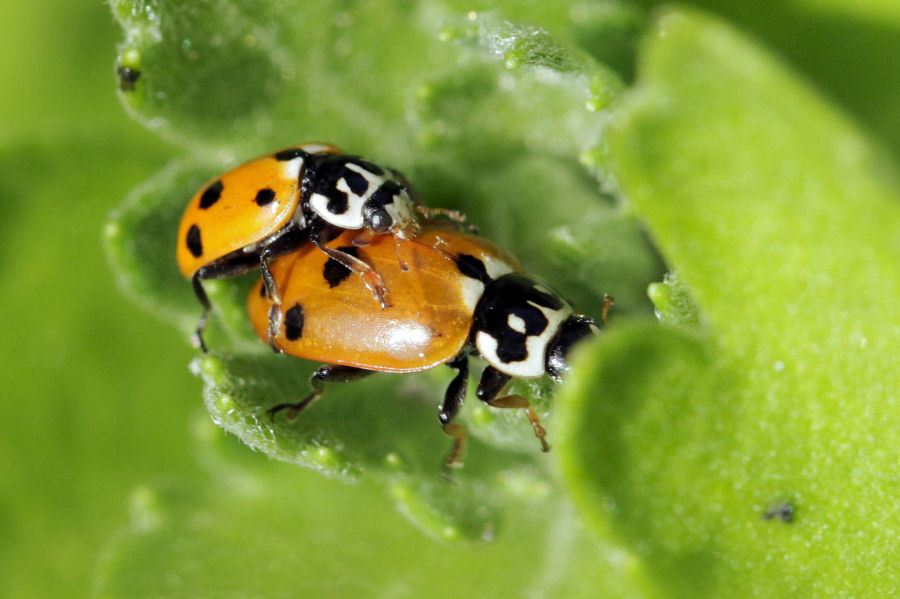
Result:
[
  {"x": 460, "y": 295},
  {"x": 271, "y": 205}
]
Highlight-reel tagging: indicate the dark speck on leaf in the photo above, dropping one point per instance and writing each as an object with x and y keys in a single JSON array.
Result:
[{"x": 780, "y": 510}]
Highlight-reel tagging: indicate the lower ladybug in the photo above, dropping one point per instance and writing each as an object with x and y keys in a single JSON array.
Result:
[{"x": 459, "y": 296}]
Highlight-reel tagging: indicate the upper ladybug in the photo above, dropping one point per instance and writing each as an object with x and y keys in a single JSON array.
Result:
[{"x": 269, "y": 206}]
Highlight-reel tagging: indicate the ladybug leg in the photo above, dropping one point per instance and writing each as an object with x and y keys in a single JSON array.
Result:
[
  {"x": 364, "y": 238},
  {"x": 607, "y": 304},
  {"x": 213, "y": 271},
  {"x": 404, "y": 265},
  {"x": 328, "y": 373},
  {"x": 430, "y": 215},
  {"x": 371, "y": 278},
  {"x": 286, "y": 243},
  {"x": 276, "y": 315},
  {"x": 491, "y": 383},
  {"x": 197, "y": 337},
  {"x": 453, "y": 401},
  {"x": 237, "y": 263}
]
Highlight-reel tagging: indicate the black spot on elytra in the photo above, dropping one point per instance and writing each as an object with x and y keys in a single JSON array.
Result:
[
  {"x": 472, "y": 267},
  {"x": 211, "y": 195},
  {"x": 293, "y": 322},
  {"x": 512, "y": 294},
  {"x": 264, "y": 196},
  {"x": 194, "y": 243},
  {"x": 335, "y": 272},
  {"x": 262, "y": 291},
  {"x": 289, "y": 154}
]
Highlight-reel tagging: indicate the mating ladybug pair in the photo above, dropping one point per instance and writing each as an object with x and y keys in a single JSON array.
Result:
[{"x": 350, "y": 278}]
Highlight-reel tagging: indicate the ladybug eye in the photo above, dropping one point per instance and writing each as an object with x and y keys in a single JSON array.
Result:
[{"x": 379, "y": 221}]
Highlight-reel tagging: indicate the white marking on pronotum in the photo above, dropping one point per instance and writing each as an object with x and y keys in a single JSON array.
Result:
[
  {"x": 352, "y": 218},
  {"x": 535, "y": 345},
  {"x": 516, "y": 323}
]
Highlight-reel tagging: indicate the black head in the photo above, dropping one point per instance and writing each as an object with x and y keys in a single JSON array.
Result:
[
  {"x": 571, "y": 332},
  {"x": 353, "y": 193}
]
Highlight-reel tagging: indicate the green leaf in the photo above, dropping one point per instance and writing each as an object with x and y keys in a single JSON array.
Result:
[
  {"x": 235, "y": 74},
  {"x": 754, "y": 458},
  {"x": 379, "y": 429},
  {"x": 264, "y": 529},
  {"x": 90, "y": 412},
  {"x": 673, "y": 302},
  {"x": 849, "y": 49},
  {"x": 557, "y": 222}
]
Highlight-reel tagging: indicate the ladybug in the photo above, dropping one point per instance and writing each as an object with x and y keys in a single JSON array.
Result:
[
  {"x": 461, "y": 296},
  {"x": 271, "y": 205}
]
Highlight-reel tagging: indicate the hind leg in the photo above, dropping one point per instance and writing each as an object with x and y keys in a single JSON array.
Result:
[{"x": 329, "y": 373}]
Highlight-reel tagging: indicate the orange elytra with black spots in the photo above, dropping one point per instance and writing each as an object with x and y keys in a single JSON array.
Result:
[{"x": 243, "y": 207}]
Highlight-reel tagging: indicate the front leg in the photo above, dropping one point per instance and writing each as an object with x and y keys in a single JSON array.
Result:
[
  {"x": 328, "y": 373},
  {"x": 430, "y": 217},
  {"x": 369, "y": 276},
  {"x": 491, "y": 383}
]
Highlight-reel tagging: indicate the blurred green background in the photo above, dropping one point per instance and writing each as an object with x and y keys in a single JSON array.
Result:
[
  {"x": 97, "y": 398},
  {"x": 95, "y": 391}
]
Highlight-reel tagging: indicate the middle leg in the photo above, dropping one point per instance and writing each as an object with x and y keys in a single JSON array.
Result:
[
  {"x": 453, "y": 401},
  {"x": 491, "y": 383}
]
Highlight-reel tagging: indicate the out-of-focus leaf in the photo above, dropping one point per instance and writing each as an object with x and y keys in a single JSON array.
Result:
[
  {"x": 755, "y": 458},
  {"x": 849, "y": 49},
  {"x": 673, "y": 302},
  {"x": 236, "y": 73},
  {"x": 82, "y": 425},
  {"x": 265, "y": 529}
]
